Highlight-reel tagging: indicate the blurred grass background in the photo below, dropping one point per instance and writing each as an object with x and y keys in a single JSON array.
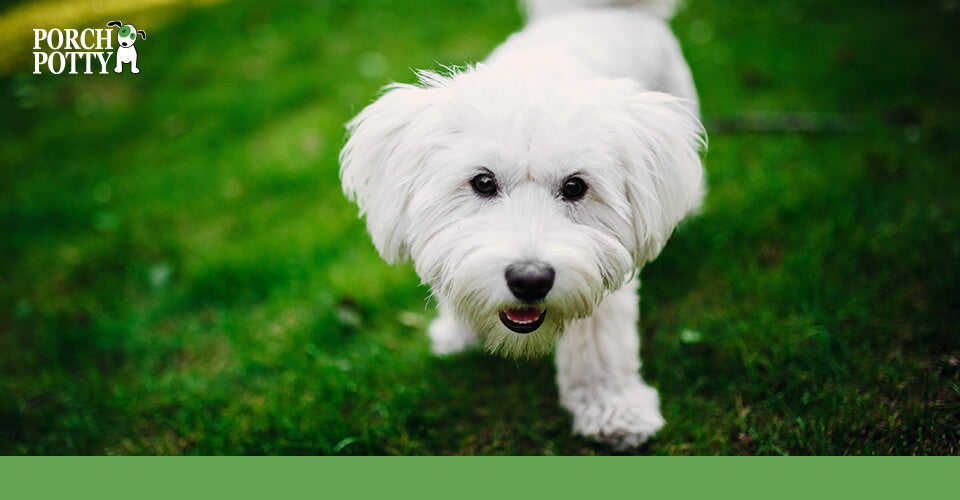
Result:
[{"x": 181, "y": 274}]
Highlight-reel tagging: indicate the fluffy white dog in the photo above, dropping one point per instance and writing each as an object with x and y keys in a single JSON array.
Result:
[{"x": 529, "y": 190}]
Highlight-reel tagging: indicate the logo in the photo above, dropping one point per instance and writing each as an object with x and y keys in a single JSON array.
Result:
[{"x": 85, "y": 51}]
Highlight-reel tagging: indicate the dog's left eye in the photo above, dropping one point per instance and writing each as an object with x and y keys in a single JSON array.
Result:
[
  {"x": 484, "y": 185},
  {"x": 573, "y": 189}
]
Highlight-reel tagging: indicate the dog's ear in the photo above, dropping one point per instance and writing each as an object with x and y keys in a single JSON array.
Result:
[
  {"x": 143, "y": 34},
  {"x": 661, "y": 143},
  {"x": 387, "y": 143},
  {"x": 114, "y": 23}
]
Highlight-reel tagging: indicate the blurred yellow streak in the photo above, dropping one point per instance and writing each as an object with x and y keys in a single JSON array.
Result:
[{"x": 17, "y": 23}]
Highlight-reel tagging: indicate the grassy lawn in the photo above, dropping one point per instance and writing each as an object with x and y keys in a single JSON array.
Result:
[{"x": 180, "y": 273}]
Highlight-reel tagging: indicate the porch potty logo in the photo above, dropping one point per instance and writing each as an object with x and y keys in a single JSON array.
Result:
[{"x": 85, "y": 51}]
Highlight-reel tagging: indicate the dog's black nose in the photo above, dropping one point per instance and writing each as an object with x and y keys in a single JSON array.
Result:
[{"x": 530, "y": 281}]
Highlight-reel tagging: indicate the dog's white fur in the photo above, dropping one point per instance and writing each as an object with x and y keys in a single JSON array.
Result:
[{"x": 593, "y": 88}]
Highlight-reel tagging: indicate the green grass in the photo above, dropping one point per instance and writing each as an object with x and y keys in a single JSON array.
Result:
[{"x": 182, "y": 275}]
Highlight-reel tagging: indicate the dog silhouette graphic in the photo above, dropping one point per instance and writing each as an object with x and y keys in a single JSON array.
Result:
[{"x": 127, "y": 53}]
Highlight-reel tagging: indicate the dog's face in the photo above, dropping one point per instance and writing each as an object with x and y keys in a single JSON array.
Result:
[
  {"x": 127, "y": 35},
  {"x": 522, "y": 204}
]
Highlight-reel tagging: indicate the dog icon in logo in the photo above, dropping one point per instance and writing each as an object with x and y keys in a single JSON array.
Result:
[{"x": 126, "y": 53}]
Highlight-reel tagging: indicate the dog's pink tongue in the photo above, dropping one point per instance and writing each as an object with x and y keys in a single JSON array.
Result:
[{"x": 524, "y": 314}]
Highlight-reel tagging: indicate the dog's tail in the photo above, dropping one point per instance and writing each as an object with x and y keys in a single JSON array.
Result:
[{"x": 535, "y": 9}]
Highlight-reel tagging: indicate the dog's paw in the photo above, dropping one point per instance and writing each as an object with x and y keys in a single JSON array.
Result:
[
  {"x": 622, "y": 420},
  {"x": 449, "y": 336}
]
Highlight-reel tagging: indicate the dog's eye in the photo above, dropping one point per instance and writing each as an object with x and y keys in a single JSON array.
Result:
[
  {"x": 484, "y": 185},
  {"x": 573, "y": 189}
]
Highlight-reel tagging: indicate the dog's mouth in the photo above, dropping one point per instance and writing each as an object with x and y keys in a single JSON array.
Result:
[{"x": 524, "y": 319}]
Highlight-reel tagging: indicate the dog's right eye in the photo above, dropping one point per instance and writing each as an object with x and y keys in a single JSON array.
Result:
[{"x": 484, "y": 185}]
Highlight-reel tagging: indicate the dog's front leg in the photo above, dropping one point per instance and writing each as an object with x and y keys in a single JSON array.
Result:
[
  {"x": 598, "y": 363},
  {"x": 448, "y": 334}
]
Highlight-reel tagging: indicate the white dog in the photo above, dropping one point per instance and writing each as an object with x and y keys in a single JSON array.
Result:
[
  {"x": 530, "y": 189},
  {"x": 127, "y": 53}
]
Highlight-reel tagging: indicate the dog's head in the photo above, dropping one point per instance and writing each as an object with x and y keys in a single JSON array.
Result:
[
  {"x": 127, "y": 34},
  {"x": 522, "y": 204}
]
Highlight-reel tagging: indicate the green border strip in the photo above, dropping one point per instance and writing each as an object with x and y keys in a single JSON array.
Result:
[{"x": 477, "y": 477}]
